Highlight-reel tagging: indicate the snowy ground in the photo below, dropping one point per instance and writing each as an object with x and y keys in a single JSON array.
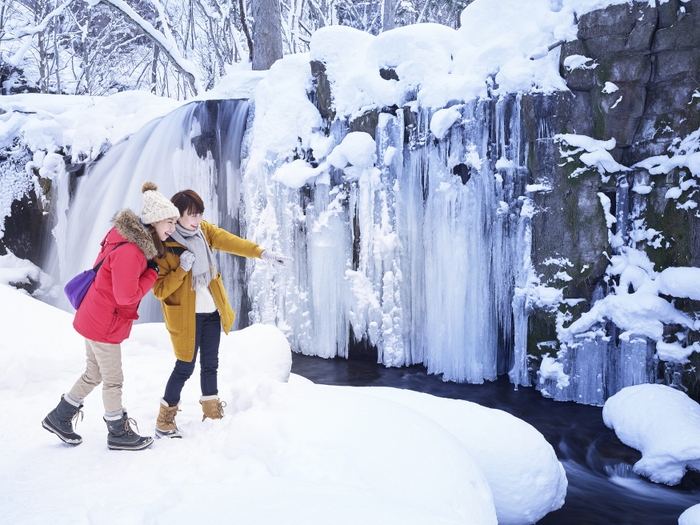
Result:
[{"x": 288, "y": 451}]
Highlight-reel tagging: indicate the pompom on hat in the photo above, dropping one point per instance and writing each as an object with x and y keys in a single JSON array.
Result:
[{"x": 155, "y": 206}]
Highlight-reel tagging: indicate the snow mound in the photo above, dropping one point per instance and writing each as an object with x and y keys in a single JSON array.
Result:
[
  {"x": 526, "y": 479},
  {"x": 340, "y": 437},
  {"x": 663, "y": 424},
  {"x": 690, "y": 516}
]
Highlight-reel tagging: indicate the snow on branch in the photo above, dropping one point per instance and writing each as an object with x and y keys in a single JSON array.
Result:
[
  {"x": 31, "y": 31},
  {"x": 165, "y": 42},
  {"x": 26, "y": 31}
]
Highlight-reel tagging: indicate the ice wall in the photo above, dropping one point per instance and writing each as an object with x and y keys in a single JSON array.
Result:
[{"x": 416, "y": 256}]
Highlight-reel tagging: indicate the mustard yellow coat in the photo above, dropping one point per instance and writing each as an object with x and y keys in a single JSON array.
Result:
[{"x": 173, "y": 288}]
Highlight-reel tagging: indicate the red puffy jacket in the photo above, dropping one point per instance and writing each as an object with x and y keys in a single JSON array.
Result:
[{"x": 109, "y": 307}]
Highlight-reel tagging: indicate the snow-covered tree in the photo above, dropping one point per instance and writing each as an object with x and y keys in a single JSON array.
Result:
[{"x": 175, "y": 48}]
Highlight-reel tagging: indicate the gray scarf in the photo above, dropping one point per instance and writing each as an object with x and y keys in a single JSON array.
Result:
[{"x": 203, "y": 269}]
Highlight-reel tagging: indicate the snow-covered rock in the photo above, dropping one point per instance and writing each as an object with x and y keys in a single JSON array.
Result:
[{"x": 663, "y": 424}]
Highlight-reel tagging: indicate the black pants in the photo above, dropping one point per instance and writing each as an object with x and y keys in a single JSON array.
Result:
[{"x": 206, "y": 342}]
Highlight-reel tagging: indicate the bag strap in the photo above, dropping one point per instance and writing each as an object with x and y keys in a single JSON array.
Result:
[{"x": 97, "y": 266}]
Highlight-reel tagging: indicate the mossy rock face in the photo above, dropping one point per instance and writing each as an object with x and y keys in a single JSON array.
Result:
[
  {"x": 668, "y": 13},
  {"x": 542, "y": 334},
  {"x": 680, "y": 229},
  {"x": 623, "y": 69},
  {"x": 366, "y": 122},
  {"x": 572, "y": 227},
  {"x": 691, "y": 377},
  {"x": 684, "y": 32},
  {"x": 691, "y": 374},
  {"x": 570, "y": 221}
]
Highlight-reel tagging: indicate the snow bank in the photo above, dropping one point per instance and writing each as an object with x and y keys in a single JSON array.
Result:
[
  {"x": 526, "y": 479},
  {"x": 663, "y": 424},
  {"x": 15, "y": 271},
  {"x": 340, "y": 437},
  {"x": 436, "y": 64},
  {"x": 287, "y": 451},
  {"x": 82, "y": 126}
]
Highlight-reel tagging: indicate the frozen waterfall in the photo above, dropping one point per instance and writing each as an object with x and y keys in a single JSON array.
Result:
[{"x": 417, "y": 256}]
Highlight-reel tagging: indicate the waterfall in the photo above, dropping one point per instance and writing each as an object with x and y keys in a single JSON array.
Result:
[{"x": 196, "y": 146}]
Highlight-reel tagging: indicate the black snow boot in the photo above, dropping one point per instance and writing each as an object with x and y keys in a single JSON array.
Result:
[
  {"x": 122, "y": 437},
  {"x": 60, "y": 421}
]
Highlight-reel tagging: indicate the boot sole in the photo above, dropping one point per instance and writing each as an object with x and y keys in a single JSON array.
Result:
[
  {"x": 130, "y": 447},
  {"x": 172, "y": 434},
  {"x": 69, "y": 441}
]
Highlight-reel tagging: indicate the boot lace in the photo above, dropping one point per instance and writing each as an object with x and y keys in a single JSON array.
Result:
[
  {"x": 220, "y": 408},
  {"x": 74, "y": 419},
  {"x": 127, "y": 426},
  {"x": 169, "y": 416}
]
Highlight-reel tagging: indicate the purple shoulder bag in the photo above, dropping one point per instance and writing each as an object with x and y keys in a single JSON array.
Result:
[{"x": 77, "y": 287}]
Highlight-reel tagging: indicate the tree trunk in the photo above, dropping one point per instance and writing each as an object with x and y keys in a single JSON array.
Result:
[
  {"x": 267, "y": 33},
  {"x": 244, "y": 24},
  {"x": 388, "y": 14},
  {"x": 43, "y": 65}
]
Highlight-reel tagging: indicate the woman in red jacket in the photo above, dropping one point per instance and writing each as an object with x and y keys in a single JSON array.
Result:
[{"x": 107, "y": 313}]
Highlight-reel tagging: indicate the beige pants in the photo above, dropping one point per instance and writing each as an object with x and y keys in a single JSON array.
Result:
[{"x": 104, "y": 365}]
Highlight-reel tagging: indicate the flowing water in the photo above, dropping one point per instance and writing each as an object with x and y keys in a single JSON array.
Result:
[{"x": 602, "y": 490}]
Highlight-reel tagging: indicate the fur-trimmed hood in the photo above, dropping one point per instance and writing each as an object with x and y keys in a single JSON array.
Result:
[{"x": 129, "y": 226}]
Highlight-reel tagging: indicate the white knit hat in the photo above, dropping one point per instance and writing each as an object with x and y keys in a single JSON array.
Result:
[{"x": 155, "y": 206}]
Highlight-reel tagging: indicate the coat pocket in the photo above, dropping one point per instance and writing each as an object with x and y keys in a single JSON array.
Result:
[
  {"x": 173, "y": 318},
  {"x": 216, "y": 287}
]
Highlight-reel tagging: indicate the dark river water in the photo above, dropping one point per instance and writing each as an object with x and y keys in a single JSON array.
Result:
[{"x": 602, "y": 488}]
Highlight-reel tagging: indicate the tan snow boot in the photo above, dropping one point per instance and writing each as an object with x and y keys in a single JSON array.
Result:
[
  {"x": 165, "y": 424},
  {"x": 212, "y": 407}
]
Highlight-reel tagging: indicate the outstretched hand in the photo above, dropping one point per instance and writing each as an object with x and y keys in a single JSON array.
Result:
[{"x": 275, "y": 258}]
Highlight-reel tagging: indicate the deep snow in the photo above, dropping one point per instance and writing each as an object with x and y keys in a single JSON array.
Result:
[{"x": 287, "y": 451}]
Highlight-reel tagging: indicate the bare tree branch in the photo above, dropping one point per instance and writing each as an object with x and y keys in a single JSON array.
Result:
[
  {"x": 167, "y": 46},
  {"x": 26, "y": 31}
]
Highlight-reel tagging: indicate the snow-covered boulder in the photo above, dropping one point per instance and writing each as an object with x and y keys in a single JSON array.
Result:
[
  {"x": 690, "y": 516},
  {"x": 663, "y": 424},
  {"x": 526, "y": 478}
]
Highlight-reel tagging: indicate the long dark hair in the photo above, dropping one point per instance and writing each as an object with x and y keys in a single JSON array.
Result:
[
  {"x": 188, "y": 201},
  {"x": 160, "y": 245}
]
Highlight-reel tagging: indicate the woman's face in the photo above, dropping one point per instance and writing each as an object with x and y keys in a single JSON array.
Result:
[
  {"x": 165, "y": 227},
  {"x": 190, "y": 221}
]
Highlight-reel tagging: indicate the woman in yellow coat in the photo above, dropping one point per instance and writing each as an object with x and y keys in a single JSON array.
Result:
[{"x": 195, "y": 305}]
